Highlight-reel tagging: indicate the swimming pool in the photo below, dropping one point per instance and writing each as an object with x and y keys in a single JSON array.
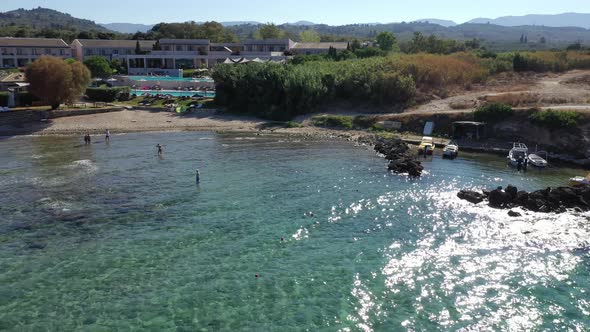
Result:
[
  {"x": 169, "y": 79},
  {"x": 207, "y": 94}
]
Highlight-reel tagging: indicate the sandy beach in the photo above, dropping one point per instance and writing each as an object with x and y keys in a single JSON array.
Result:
[{"x": 136, "y": 121}]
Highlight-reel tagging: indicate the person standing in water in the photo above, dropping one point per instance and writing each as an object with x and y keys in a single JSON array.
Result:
[
  {"x": 198, "y": 176},
  {"x": 107, "y": 136},
  {"x": 159, "y": 147}
]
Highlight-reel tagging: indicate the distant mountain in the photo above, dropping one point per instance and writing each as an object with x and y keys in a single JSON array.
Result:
[
  {"x": 444, "y": 23},
  {"x": 559, "y": 20},
  {"x": 233, "y": 23},
  {"x": 43, "y": 18},
  {"x": 127, "y": 27},
  {"x": 302, "y": 23}
]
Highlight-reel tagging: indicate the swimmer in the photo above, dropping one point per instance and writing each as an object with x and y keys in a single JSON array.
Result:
[
  {"x": 107, "y": 136},
  {"x": 159, "y": 147},
  {"x": 198, "y": 176}
]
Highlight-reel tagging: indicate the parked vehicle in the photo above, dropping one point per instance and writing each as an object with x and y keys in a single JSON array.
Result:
[{"x": 426, "y": 146}]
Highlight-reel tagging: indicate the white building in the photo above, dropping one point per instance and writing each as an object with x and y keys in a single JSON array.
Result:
[
  {"x": 110, "y": 49},
  {"x": 18, "y": 52},
  {"x": 317, "y": 48}
]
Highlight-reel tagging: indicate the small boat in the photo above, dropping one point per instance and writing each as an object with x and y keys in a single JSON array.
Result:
[
  {"x": 426, "y": 146},
  {"x": 517, "y": 154},
  {"x": 580, "y": 180},
  {"x": 451, "y": 151},
  {"x": 537, "y": 161}
]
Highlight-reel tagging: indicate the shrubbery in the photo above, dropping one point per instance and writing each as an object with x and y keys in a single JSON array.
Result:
[
  {"x": 4, "y": 96},
  {"x": 556, "y": 119},
  {"x": 550, "y": 61},
  {"x": 107, "y": 95},
  {"x": 25, "y": 99},
  {"x": 493, "y": 112},
  {"x": 332, "y": 121}
]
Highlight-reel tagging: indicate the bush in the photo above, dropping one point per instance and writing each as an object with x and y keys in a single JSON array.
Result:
[
  {"x": 332, "y": 121},
  {"x": 26, "y": 99},
  {"x": 556, "y": 119},
  {"x": 493, "y": 112},
  {"x": 364, "y": 121},
  {"x": 108, "y": 95},
  {"x": 4, "y": 96}
]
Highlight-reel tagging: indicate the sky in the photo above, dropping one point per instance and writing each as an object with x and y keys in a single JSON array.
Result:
[{"x": 333, "y": 12}]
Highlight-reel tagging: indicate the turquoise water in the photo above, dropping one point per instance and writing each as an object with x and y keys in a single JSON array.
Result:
[
  {"x": 174, "y": 93},
  {"x": 169, "y": 79},
  {"x": 113, "y": 238}
]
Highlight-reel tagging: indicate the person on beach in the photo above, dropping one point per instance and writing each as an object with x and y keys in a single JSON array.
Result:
[
  {"x": 198, "y": 176},
  {"x": 159, "y": 147},
  {"x": 526, "y": 164},
  {"x": 88, "y": 139},
  {"x": 519, "y": 164},
  {"x": 107, "y": 135}
]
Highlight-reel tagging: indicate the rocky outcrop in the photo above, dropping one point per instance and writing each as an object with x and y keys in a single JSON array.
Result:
[
  {"x": 401, "y": 160},
  {"x": 546, "y": 200}
]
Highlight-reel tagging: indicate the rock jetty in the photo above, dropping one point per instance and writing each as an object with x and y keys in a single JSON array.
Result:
[
  {"x": 401, "y": 160},
  {"x": 547, "y": 200}
]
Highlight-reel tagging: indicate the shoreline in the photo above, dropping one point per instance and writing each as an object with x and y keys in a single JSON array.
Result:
[{"x": 138, "y": 121}]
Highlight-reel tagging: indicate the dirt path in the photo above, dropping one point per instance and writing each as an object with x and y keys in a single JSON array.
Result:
[{"x": 550, "y": 91}]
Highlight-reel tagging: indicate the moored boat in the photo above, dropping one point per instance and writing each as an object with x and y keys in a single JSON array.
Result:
[
  {"x": 536, "y": 161},
  {"x": 451, "y": 151},
  {"x": 580, "y": 180},
  {"x": 517, "y": 154}
]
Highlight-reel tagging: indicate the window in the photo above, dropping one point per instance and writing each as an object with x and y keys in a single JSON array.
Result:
[
  {"x": 62, "y": 52},
  {"x": 19, "y": 51},
  {"x": 47, "y": 51},
  {"x": 179, "y": 47},
  {"x": 115, "y": 52}
]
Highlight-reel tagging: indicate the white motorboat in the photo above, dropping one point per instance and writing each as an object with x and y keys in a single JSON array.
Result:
[
  {"x": 580, "y": 180},
  {"x": 517, "y": 154},
  {"x": 537, "y": 161},
  {"x": 451, "y": 151}
]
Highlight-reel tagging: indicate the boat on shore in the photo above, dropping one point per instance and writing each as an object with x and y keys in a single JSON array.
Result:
[
  {"x": 536, "y": 161},
  {"x": 580, "y": 180},
  {"x": 426, "y": 146},
  {"x": 451, "y": 151},
  {"x": 517, "y": 154}
]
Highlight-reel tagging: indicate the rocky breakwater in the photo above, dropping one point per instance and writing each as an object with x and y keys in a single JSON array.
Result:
[
  {"x": 401, "y": 160},
  {"x": 547, "y": 200}
]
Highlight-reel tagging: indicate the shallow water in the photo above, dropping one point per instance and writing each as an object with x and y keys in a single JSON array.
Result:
[{"x": 111, "y": 237}]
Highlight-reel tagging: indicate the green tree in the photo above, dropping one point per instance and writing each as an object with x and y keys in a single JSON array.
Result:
[
  {"x": 54, "y": 80},
  {"x": 269, "y": 31},
  {"x": 355, "y": 45},
  {"x": 157, "y": 46},
  {"x": 137, "y": 48},
  {"x": 386, "y": 41},
  {"x": 310, "y": 36},
  {"x": 98, "y": 66}
]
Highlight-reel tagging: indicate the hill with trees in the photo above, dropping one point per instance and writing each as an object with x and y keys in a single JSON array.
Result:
[{"x": 49, "y": 23}]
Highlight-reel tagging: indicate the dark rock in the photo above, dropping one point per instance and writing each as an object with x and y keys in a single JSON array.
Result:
[
  {"x": 521, "y": 197},
  {"x": 499, "y": 198},
  {"x": 512, "y": 191},
  {"x": 556, "y": 200},
  {"x": 514, "y": 214},
  {"x": 397, "y": 152},
  {"x": 471, "y": 196}
]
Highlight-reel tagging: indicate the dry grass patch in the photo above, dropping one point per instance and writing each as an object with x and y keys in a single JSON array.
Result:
[{"x": 513, "y": 99}]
